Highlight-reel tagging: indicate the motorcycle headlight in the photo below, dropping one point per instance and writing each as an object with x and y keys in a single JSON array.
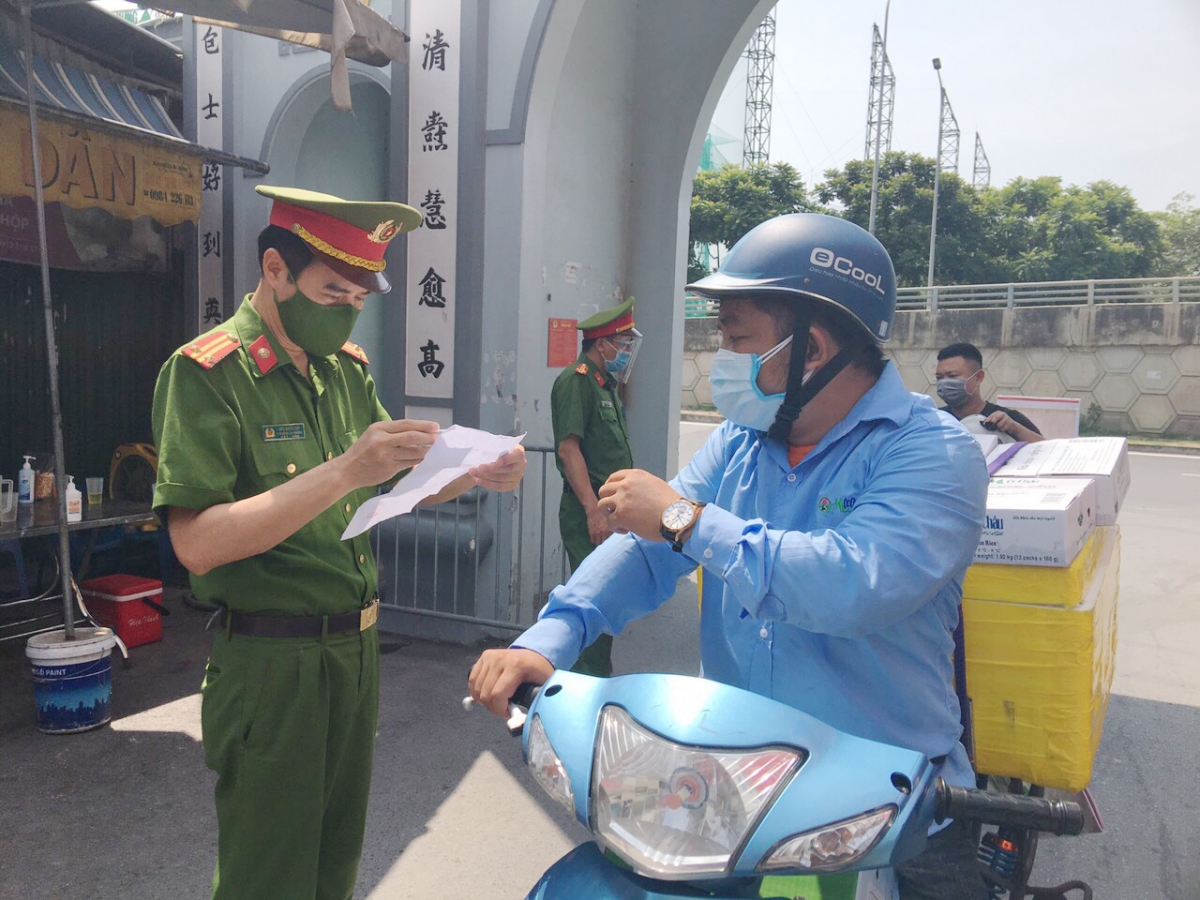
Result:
[
  {"x": 547, "y": 768},
  {"x": 673, "y": 811},
  {"x": 831, "y": 847}
]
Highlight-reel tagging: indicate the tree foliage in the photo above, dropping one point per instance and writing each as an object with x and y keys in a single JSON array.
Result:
[
  {"x": 1033, "y": 229},
  {"x": 1180, "y": 230},
  {"x": 728, "y": 202}
]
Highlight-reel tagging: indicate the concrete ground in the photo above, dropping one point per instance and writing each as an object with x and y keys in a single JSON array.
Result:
[{"x": 126, "y": 811}]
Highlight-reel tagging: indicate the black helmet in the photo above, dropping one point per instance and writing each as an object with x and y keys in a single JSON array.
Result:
[{"x": 823, "y": 259}]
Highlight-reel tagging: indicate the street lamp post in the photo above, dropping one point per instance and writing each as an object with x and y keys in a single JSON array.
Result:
[
  {"x": 879, "y": 121},
  {"x": 937, "y": 176}
]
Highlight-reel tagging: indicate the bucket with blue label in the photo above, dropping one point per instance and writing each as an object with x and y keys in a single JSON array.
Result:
[{"x": 72, "y": 679}]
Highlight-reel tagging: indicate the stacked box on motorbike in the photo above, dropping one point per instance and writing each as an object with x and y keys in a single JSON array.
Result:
[{"x": 1039, "y": 674}]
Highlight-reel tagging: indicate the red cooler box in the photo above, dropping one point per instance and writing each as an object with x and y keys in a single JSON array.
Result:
[{"x": 118, "y": 601}]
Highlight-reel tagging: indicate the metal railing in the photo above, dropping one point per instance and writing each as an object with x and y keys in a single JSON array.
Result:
[
  {"x": 1051, "y": 293},
  {"x": 483, "y": 559},
  {"x": 1032, "y": 293}
]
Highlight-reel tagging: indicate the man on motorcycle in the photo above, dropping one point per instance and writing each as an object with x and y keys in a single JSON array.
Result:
[{"x": 834, "y": 513}]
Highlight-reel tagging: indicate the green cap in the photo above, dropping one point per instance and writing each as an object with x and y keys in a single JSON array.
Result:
[
  {"x": 349, "y": 236},
  {"x": 607, "y": 322}
]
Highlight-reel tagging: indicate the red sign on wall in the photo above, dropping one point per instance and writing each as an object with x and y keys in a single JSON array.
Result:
[{"x": 562, "y": 343}]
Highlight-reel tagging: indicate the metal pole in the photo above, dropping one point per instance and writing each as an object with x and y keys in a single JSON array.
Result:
[
  {"x": 60, "y": 479},
  {"x": 879, "y": 121},
  {"x": 937, "y": 172}
]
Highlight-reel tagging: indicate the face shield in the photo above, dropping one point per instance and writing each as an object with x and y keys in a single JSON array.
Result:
[{"x": 625, "y": 346}]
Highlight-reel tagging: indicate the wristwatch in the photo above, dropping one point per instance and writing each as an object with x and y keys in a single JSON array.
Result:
[{"x": 677, "y": 518}]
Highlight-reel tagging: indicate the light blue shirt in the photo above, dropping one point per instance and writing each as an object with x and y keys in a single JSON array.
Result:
[{"x": 833, "y": 587}]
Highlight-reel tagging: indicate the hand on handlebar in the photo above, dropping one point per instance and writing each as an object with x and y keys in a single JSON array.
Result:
[{"x": 498, "y": 673}]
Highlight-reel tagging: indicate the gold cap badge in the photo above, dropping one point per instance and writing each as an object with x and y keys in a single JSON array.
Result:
[{"x": 384, "y": 232}]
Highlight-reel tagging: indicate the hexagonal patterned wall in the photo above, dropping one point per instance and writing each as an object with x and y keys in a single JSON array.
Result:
[{"x": 1152, "y": 388}]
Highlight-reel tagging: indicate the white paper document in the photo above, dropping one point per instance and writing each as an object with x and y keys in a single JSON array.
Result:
[{"x": 456, "y": 450}]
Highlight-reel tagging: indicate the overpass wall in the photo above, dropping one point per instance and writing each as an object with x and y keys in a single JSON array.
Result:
[{"x": 1135, "y": 367}]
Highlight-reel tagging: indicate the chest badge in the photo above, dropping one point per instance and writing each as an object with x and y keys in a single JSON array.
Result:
[{"x": 292, "y": 432}]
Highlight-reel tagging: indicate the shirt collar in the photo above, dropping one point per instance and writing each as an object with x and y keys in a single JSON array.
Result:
[
  {"x": 263, "y": 348},
  {"x": 888, "y": 400}
]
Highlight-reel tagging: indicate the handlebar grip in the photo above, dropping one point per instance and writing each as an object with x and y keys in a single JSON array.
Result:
[
  {"x": 525, "y": 694},
  {"x": 1017, "y": 810}
]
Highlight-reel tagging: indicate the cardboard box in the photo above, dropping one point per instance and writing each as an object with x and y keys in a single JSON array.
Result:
[
  {"x": 1036, "y": 521},
  {"x": 1041, "y": 585},
  {"x": 1055, "y": 417},
  {"x": 1039, "y": 678},
  {"x": 1103, "y": 459},
  {"x": 118, "y": 602}
]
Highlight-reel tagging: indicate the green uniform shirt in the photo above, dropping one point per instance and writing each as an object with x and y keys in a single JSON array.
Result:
[
  {"x": 250, "y": 422},
  {"x": 584, "y": 402}
]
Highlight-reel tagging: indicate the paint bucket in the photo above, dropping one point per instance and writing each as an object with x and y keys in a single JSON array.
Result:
[{"x": 72, "y": 680}]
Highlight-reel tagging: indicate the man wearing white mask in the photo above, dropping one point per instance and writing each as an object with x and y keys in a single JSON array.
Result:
[{"x": 834, "y": 513}]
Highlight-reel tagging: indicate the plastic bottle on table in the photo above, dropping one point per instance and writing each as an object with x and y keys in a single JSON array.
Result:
[
  {"x": 25, "y": 483},
  {"x": 74, "y": 501}
]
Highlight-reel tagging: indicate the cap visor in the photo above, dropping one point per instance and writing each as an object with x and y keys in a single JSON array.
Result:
[{"x": 376, "y": 282}]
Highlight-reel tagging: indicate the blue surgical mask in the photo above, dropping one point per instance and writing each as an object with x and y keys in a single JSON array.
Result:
[
  {"x": 618, "y": 363},
  {"x": 735, "y": 390}
]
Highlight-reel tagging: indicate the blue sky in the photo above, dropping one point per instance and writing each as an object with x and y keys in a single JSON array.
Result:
[{"x": 1104, "y": 89}]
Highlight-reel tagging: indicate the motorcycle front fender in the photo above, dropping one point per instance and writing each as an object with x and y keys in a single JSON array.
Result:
[{"x": 585, "y": 874}]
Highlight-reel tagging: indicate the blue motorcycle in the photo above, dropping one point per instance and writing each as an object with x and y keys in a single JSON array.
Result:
[{"x": 692, "y": 788}]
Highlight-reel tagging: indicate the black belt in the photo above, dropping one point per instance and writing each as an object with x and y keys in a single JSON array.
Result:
[{"x": 301, "y": 626}]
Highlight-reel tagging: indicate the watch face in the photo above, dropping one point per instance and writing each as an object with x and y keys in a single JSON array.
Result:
[{"x": 678, "y": 515}]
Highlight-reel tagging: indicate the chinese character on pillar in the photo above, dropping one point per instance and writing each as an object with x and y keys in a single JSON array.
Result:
[
  {"x": 434, "y": 131},
  {"x": 206, "y": 46},
  {"x": 429, "y": 364},
  {"x": 432, "y": 207},
  {"x": 211, "y": 176},
  {"x": 431, "y": 290},
  {"x": 435, "y": 51},
  {"x": 434, "y": 121}
]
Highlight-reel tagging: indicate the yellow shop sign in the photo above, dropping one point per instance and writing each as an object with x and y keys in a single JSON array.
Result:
[{"x": 86, "y": 167}]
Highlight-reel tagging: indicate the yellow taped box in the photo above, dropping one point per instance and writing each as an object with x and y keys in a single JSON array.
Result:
[
  {"x": 1039, "y": 585},
  {"x": 1039, "y": 676}
]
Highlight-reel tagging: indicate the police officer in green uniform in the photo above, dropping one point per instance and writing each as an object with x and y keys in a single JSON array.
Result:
[
  {"x": 592, "y": 441},
  {"x": 270, "y": 435}
]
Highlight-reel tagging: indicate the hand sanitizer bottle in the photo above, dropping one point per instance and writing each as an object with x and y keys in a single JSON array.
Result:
[
  {"x": 25, "y": 483},
  {"x": 74, "y": 501}
]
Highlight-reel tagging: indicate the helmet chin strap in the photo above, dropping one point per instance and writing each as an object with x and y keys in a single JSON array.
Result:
[{"x": 800, "y": 391}]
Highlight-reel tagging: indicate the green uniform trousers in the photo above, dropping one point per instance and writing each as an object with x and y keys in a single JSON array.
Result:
[
  {"x": 289, "y": 728},
  {"x": 595, "y": 659}
]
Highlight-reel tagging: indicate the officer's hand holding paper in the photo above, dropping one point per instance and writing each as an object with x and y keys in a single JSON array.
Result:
[{"x": 456, "y": 450}]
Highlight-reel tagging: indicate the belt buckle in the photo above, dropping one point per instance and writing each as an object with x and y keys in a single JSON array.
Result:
[{"x": 368, "y": 615}]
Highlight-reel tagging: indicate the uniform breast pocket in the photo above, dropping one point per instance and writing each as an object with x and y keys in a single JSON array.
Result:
[
  {"x": 279, "y": 462},
  {"x": 608, "y": 412}
]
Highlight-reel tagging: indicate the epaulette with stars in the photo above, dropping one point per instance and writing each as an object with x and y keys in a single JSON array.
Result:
[
  {"x": 581, "y": 369},
  {"x": 210, "y": 349}
]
